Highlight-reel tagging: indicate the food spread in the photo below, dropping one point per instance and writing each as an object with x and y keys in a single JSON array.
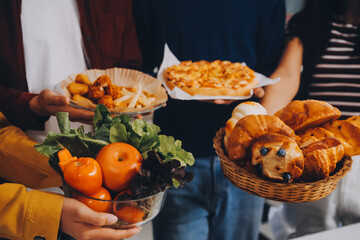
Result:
[
  {"x": 122, "y": 168},
  {"x": 303, "y": 142},
  {"x": 217, "y": 78}
]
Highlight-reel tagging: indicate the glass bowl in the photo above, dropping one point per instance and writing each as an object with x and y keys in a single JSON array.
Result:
[
  {"x": 138, "y": 212},
  {"x": 131, "y": 213}
]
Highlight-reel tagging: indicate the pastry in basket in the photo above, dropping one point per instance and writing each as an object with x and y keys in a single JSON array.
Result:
[
  {"x": 354, "y": 120},
  {"x": 312, "y": 135},
  {"x": 249, "y": 128},
  {"x": 217, "y": 78},
  {"x": 277, "y": 157},
  {"x": 240, "y": 111},
  {"x": 300, "y": 115},
  {"x": 321, "y": 158},
  {"x": 348, "y": 133}
]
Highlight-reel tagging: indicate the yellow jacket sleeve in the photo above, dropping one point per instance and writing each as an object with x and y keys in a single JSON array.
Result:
[
  {"x": 25, "y": 215},
  {"x": 20, "y": 162}
]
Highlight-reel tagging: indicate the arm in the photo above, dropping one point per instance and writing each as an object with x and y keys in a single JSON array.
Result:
[
  {"x": 14, "y": 104},
  {"x": 20, "y": 162},
  {"x": 28, "y": 214},
  {"x": 49, "y": 103},
  {"x": 279, "y": 95},
  {"x": 30, "y": 111},
  {"x": 36, "y": 213}
]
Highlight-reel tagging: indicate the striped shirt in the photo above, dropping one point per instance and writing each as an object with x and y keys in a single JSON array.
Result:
[{"x": 336, "y": 77}]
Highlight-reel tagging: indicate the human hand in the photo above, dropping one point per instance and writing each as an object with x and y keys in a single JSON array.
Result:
[
  {"x": 82, "y": 223},
  {"x": 259, "y": 92},
  {"x": 49, "y": 103}
]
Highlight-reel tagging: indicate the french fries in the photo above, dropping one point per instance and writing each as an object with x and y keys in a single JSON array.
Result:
[{"x": 112, "y": 96}]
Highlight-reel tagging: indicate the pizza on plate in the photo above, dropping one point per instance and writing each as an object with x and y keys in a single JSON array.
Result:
[{"x": 217, "y": 78}]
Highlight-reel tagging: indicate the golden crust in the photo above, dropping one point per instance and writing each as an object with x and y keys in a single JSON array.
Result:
[
  {"x": 348, "y": 133},
  {"x": 78, "y": 88},
  {"x": 300, "y": 115},
  {"x": 95, "y": 93},
  {"x": 107, "y": 100},
  {"x": 274, "y": 166},
  {"x": 114, "y": 91},
  {"x": 217, "y": 78},
  {"x": 103, "y": 81},
  {"x": 321, "y": 158},
  {"x": 82, "y": 101},
  {"x": 82, "y": 78},
  {"x": 312, "y": 135},
  {"x": 241, "y": 110},
  {"x": 250, "y": 127},
  {"x": 354, "y": 120}
]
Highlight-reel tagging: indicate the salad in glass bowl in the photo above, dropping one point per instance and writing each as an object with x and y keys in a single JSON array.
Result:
[{"x": 124, "y": 167}]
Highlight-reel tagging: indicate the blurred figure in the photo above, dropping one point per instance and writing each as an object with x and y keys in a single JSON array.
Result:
[
  {"x": 45, "y": 42},
  {"x": 321, "y": 61},
  {"x": 210, "y": 207}
]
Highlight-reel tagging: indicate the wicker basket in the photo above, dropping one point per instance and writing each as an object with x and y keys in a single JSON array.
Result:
[{"x": 283, "y": 192}]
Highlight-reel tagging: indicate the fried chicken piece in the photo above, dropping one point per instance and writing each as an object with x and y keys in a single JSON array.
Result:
[
  {"x": 108, "y": 101},
  {"x": 103, "y": 81},
  {"x": 95, "y": 93},
  {"x": 77, "y": 88},
  {"x": 114, "y": 91}
]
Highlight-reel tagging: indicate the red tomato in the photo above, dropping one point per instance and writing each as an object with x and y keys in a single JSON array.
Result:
[
  {"x": 97, "y": 205},
  {"x": 65, "y": 158},
  {"x": 84, "y": 175},
  {"x": 120, "y": 163},
  {"x": 129, "y": 213}
]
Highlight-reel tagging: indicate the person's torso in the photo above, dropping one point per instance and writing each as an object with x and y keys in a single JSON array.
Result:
[
  {"x": 52, "y": 48},
  {"x": 203, "y": 30},
  {"x": 336, "y": 76},
  {"x": 52, "y": 42}
]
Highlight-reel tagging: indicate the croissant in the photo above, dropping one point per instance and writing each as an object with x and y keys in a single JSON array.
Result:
[
  {"x": 312, "y": 135},
  {"x": 348, "y": 133},
  {"x": 241, "y": 110},
  {"x": 250, "y": 127},
  {"x": 277, "y": 157},
  {"x": 321, "y": 158},
  {"x": 354, "y": 120},
  {"x": 300, "y": 115}
]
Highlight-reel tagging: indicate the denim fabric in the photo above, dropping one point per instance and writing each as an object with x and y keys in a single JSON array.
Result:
[{"x": 209, "y": 207}]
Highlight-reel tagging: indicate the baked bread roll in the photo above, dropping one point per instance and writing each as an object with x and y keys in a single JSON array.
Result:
[
  {"x": 321, "y": 158},
  {"x": 354, "y": 120},
  {"x": 241, "y": 110},
  {"x": 277, "y": 157},
  {"x": 300, "y": 115},
  {"x": 348, "y": 133},
  {"x": 250, "y": 127},
  {"x": 312, "y": 135}
]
